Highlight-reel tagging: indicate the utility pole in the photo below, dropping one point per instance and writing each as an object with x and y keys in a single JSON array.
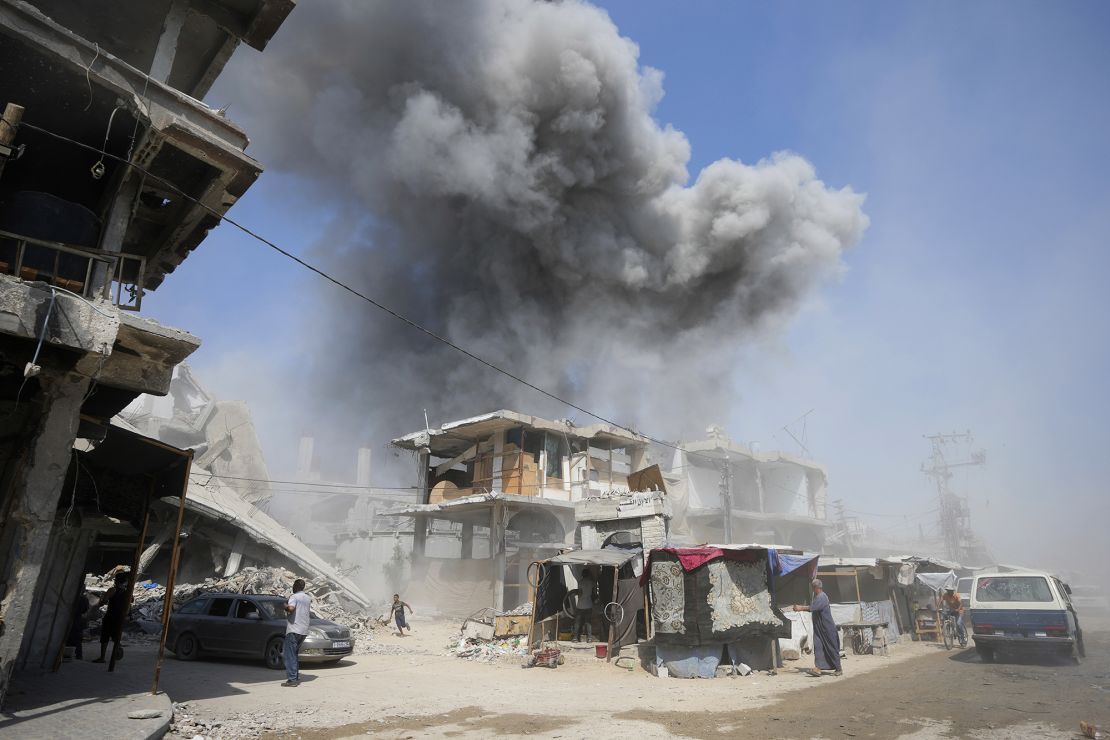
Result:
[
  {"x": 954, "y": 518},
  {"x": 726, "y": 498},
  {"x": 844, "y": 533}
]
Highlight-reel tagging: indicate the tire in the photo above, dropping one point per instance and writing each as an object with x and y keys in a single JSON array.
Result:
[
  {"x": 986, "y": 654},
  {"x": 275, "y": 653},
  {"x": 187, "y": 646},
  {"x": 947, "y": 632}
]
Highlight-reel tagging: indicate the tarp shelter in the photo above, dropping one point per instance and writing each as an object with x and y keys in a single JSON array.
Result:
[
  {"x": 620, "y": 591},
  {"x": 938, "y": 581},
  {"x": 706, "y": 600},
  {"x": 864, "y": 590}
]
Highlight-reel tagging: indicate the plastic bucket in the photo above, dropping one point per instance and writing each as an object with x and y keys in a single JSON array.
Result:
[{"x": 601, "y": 650}]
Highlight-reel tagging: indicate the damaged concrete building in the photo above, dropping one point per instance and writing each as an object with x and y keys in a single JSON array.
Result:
[
  {"x": 226, "y": 527},
  {"x": 82, "y": 237},
  {"x": 497, "y": 492},
  {"x": 775, "y": 497}
]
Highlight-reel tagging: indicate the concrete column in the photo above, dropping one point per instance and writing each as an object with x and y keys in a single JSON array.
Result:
[
  {"x": 34, "y": 493},
  {"x": 467, "y": 542},
  {"x": 759, "y": 487},
  {"x": 363, "y": 471},
  {"x": 497, "y": 553},
  {"x": 52, "y": 611},
  {"x": 115, "y": 226},
  {"x": 162, "y": 64},
  {"x": 419, "y": 537},
  {"x": 155, "y": 545},
  {"x": 637, "y": 456},
  {"x": 423, "y": 459},
  {"x": 235, "y": 559}
]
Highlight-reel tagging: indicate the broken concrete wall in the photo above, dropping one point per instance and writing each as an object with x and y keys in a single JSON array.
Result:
[
  {"x": 59, "y": 581},
  {"x": 29, "y": 506}
]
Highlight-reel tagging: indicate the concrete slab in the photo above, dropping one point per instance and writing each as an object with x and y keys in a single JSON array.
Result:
[{"x": 84, "y": 700}]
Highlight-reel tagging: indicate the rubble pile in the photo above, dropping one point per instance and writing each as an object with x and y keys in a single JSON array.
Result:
[
  {"x": 149, "y": 598},
  {"x": 491, "y": 651}
]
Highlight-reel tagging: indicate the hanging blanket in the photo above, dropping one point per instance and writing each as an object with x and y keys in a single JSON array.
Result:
[{"x": 722, "y": 602}]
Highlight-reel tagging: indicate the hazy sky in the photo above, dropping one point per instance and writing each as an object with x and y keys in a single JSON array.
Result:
[{"x": 975, "y": 300}]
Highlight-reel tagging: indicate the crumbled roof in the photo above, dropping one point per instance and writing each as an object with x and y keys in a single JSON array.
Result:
[{"x": 454, "y": 437}]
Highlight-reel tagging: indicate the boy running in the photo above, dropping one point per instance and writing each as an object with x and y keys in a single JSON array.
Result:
[{"x": 398, "y": 609}]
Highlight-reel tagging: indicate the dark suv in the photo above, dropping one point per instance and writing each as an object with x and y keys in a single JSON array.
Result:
[{"x": 250, "y": 625}]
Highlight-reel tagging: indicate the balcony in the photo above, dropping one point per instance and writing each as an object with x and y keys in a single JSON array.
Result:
[{"x": 89, "y": 273}]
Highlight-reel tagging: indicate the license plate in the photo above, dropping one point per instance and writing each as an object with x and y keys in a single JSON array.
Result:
[
  {"x": 1040, "y": 634},
  {"x": 341, "y": 644}
]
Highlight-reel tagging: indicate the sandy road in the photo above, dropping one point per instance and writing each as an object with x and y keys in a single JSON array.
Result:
[{"x": 919, "y": 692}]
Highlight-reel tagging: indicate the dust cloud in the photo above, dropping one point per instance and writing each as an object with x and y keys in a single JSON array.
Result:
[{"x": 499, "y": 178}]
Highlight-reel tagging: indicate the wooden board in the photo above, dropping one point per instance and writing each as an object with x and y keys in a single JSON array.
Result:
[
  {"x": 648, "y": 479},
  {"x": 511, "y": 626}
]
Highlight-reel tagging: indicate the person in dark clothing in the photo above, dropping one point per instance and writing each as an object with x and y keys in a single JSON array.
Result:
[
  {"x": 398, "y": 608},
  {"x": 584, "y": 609},
  {"x": 77, "y": 623},
  {"x": 826, "y": 638},
  {"x": 114, "y": 615}
]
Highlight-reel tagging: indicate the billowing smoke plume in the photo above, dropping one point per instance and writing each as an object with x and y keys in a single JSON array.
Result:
[{"x": 502, "y": 181}]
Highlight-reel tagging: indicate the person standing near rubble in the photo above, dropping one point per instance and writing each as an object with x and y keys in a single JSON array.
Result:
[
  {"x": 112, "y": 625},
  {"x": 826, "y": 639},
  {"x": 78, "y": 620},
  {"x": 584, "y": 608},
  {"x": 298, "y": 613}
]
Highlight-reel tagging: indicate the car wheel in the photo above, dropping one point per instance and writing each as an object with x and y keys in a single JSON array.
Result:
[
  {"x": 187, "y": 646},
  {"x": 985, "y": 654},
  {"x": 275, "y": 653}
]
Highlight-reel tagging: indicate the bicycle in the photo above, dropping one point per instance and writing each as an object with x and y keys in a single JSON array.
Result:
[{"x": 951, "y": 632}]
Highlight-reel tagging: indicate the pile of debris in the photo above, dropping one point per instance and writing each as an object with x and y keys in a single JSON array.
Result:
[
  {"x": 149, "y": 598},
  {"x": 487, "y": 651}
]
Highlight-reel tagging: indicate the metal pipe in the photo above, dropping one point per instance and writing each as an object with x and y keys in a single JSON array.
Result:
[{"x": 172, "y": 576}]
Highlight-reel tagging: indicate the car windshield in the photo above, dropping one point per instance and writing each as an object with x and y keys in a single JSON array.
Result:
[{"x": 1013, "y": 588}]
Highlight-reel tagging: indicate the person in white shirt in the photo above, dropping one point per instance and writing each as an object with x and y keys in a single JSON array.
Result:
[{"x": 298, "y": 611}]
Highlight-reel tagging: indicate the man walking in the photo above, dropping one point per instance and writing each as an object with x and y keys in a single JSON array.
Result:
[
  {"x": 826, "y": 638},
  {"x": 297, "y": 614}
]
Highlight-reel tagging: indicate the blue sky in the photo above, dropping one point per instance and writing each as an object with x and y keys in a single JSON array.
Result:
[{"x": 976, "y": 299}]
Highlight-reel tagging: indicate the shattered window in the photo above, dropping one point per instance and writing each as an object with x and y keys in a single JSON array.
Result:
[
  {"x": 1013, "y": 588},
  {"x": 557, "y": 448}
]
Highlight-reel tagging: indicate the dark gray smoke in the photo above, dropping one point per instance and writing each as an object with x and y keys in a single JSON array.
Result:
[{"x": 504, "y": 183}]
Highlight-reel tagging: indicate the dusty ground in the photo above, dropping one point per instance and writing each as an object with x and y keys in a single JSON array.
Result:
[{"x": 411, "y": 689}]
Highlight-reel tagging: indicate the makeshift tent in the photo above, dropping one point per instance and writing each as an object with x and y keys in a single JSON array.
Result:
[
  {"x": 621, "y": 595},
  {"x": 704, "y": 599}
]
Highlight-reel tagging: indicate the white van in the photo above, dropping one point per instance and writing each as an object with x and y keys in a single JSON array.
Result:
[{"x": 1024, "y": 611}]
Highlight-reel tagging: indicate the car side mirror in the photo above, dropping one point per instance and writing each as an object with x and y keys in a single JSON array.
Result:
[{"x": 1067, "y": 589}]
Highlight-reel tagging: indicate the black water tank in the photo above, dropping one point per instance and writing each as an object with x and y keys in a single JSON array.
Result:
[{"x": 47, "y": 217}]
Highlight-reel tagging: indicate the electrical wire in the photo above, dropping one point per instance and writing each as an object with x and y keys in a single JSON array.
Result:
[
  {"x": 355, "y": 292},
  {"x": 88, "y": 82}
]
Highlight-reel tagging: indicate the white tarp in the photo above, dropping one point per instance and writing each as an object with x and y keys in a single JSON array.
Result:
[{"x": 938, "y": 581}]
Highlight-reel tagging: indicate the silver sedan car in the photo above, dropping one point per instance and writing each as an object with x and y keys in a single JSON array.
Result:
[{"x": 250, "y": 625}]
